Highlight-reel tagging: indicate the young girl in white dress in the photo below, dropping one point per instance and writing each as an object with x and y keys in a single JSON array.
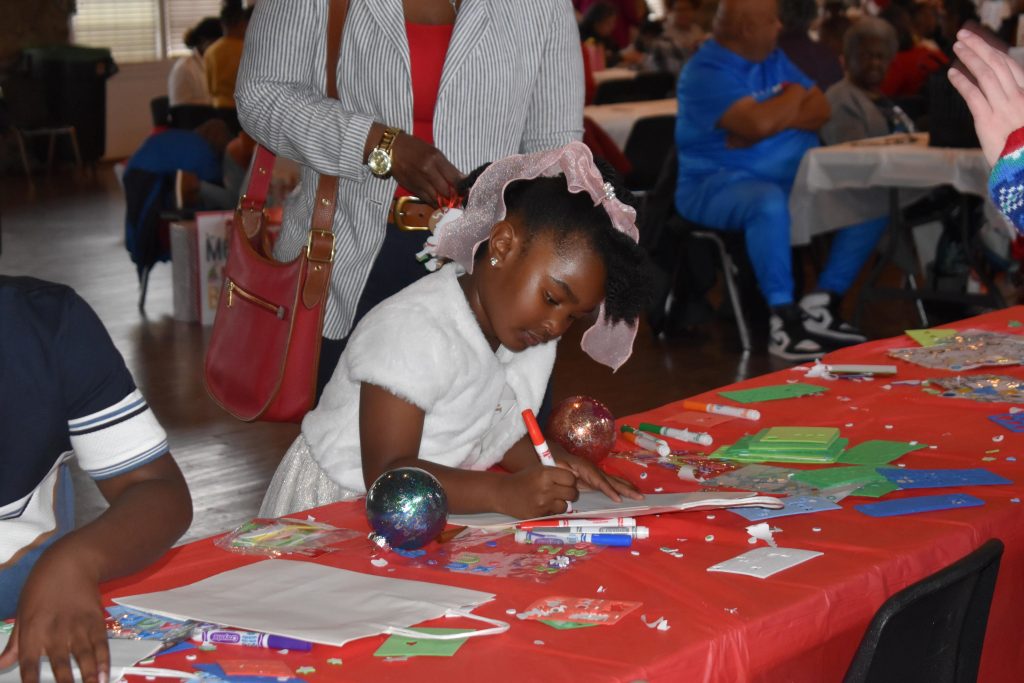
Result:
[{"x": 438, "y": 375}]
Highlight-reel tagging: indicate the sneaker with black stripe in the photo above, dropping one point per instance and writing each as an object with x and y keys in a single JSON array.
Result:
[
  {"x": 788, "y": 338},
  {"x": 821, "y": 318}
]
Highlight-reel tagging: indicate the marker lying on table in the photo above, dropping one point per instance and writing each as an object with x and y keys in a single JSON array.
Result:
[
  {"x": 646, "y": 441},
  {"x": 250, "y": 639},
  {"x": 640, "y": 532},
  {"x": 702, "y": 438},
  {"x": 577, "y": 522},
  {"x": 542, "y": 538},
  {"x": 540, "y": 445},
  {"x": 719, "y": 409},
  {"x": 861, "y": 369}
]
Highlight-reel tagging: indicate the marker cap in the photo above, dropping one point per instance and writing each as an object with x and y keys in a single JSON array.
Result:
[{"x": 282, "y": 643}]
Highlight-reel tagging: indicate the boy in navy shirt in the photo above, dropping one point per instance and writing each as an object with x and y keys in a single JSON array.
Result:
[{"x": 65, "y": 392}]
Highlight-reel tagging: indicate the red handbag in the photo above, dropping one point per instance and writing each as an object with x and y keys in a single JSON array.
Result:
[{"x": 265, "y": 347}]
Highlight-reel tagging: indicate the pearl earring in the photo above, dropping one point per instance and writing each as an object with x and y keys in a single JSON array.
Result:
[{"x": 494, "y": 261}]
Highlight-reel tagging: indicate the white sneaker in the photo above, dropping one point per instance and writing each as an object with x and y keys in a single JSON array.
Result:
[
  {"x": 789, "y": 340},
  {"x": 821, "y": 318}
]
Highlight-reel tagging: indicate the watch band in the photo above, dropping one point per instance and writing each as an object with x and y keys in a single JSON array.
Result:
[{"x": 388, "y": 139}]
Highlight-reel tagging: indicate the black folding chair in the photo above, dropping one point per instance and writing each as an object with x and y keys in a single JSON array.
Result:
[
  {"x": 648, "y": 144},
  {"x": 933, "y": 630},
  {"x": 618, "y": 90}
]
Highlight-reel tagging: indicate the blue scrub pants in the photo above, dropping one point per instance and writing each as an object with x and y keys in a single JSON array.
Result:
[{"x": 734, "y": 200}]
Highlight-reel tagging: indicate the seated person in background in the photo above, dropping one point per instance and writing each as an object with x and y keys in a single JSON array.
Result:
[
  {"x": 914, "y": 61},
  {"x": 186, "y": 84},
  {"x": 679, "y": 38},
  {"x": 66, "y": 393},
  {"x": 814, "y": 59},
  {"x": 746, "y": 117},
  {"x": 149, "y": 179},
  {"x": 222, "y": 59},
  {"x": 596, "y": 28},
  {"x": 859, "y": 109},
  {"x": 193, "y": 193}
]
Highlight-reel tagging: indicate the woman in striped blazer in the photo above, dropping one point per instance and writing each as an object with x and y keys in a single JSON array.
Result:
[{"x": 464, "y": 82}]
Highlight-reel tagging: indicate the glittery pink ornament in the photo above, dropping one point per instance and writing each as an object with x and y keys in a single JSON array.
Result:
[{"x": 583, "y": 426}]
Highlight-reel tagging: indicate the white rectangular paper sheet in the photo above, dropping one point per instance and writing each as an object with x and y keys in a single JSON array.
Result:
[
  {"x": 307, "y": 601},
  {"x": 763, "y": 562},
  {"x": 123, "y": 653},
  {"x": 596, "y": 504}
]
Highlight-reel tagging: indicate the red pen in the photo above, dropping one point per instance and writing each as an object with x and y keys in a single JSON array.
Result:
[{"x": 540, "y": 445}]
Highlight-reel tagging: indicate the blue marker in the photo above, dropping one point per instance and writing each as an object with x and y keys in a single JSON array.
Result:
[{"x": 538, "y": 537}]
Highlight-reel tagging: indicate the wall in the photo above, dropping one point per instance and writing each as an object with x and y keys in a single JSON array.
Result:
[
  {"x": 128, "y": 96},
  {"x": 32, "y": 23}
]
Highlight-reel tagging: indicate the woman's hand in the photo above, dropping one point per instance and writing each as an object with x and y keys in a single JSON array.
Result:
[
  {"x": 537, "y": 491},
  {"x": 60, "y": 617},
  {"x": 590, "y": 476},
  {"x": 422, "y": 169},
  {"x": 997, "y": 101}
]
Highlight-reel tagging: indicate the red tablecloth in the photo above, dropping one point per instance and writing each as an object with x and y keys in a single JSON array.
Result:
[{"x": 803, "y": 624}]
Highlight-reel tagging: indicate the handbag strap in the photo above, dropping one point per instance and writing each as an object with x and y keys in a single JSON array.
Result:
[{"x": 320, "y": 247}]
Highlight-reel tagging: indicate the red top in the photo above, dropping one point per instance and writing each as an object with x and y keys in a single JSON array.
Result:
[{"x": 428, "y": 45}]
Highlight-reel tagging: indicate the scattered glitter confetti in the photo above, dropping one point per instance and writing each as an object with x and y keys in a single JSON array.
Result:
[
  {"x": 901, "y": 464},
  {"x": 842, "y": 398},
  {"x": 933, "y": 447},
  {"x": 310, "y": 518},
  {"x": 282, "y": 652},
  {"x": 643, "y": 475},
  {"x": 887, "y": 387},
  {"x": 634, "y": 553},
  {"x": 659, "y": 489},
  {"x": 661, "y": 623},
  {"x": 816, "y": 529},
  {"x": 207, "y": 647},
  {"x": 997, "y": 438},
  {"x": 150, "y": 678},
  {"x": 335, "y": 661},
  {"x": 190, "y": 658},
  {"x": 1015, "y": 500},
  {"x": 148, "y": 660},
  {"x": 888, "y": 426},
  {"x": 538, "y": 642},
  {"x": 510, "y": 611},
  {"x": 306, "y": 670},
  {"x": 711, "y": 516},
  {"x": 396, "y": 659},
  {"x": 379, "y": 562},
  {"x": 709, "y": 538},
  {"x": 1015, "y": 409},
  {"x": 987, "y": 458},
  {"x": 732, "y": 610},
  {"x": 674, "y": 552},
  {"x": 762, "y": 532},
  {"x": 1010, "y": 458},
  {"x": 849, "y": 424},
  {"x": 992, "y": 450},
  {"x": 600, "y": 589},
  {"x": 914, "y": 443}
]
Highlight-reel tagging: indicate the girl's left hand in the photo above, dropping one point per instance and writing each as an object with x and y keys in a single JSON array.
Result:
[{"x": 591, "y": 476}]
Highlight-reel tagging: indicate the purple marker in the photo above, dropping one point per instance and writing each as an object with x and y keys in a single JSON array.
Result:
[{"x": 250, "y": 639}]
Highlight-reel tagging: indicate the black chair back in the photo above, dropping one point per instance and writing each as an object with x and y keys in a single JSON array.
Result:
[
  {"x": 618, "y": 90},
  {"x": 650, "y": 142},
  {"x": 160, "y": 110},
  {"x": 654, "y": 85},
  {"x": 933, "y": 630}
]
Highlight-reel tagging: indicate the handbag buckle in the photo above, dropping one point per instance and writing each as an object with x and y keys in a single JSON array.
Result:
[
  {"x": 314, "y": 244},
  {"x": 400, "y": 213}
]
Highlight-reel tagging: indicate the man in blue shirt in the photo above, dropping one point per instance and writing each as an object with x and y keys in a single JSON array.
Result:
[
  {"x": 65, "y": 393},
  {"x": 746, "y": 118}
]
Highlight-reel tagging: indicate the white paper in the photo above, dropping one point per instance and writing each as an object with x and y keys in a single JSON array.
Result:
[
  {"x": 123, "y": 653},
  {"x": 597, "y": 504},
  {"x": 307, "y": 601},
  {"x": 763, "y": 562}
]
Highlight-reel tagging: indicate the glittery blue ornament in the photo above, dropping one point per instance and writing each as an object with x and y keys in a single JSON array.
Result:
[{"x": 407, "y": 507}]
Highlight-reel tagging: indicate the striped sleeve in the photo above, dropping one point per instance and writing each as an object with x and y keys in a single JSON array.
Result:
[
  {"x": 118, "y": 438},
  {"x": 281, "y": 91},
  {"x": 556, "y": 113},
  {"x": 1006, "y": 184}
]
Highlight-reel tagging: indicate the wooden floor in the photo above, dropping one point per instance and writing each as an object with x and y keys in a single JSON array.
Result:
[{"x": 70, "y": 230}]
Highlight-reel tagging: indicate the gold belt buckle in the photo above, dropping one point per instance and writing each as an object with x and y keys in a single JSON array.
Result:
[{"x": 399, "y": 214}]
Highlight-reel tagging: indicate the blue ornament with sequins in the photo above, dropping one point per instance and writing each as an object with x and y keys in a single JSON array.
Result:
[{"x": 406, "y": 507}]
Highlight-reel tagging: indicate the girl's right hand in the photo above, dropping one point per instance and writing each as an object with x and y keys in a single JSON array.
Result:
[
  {"x": 537, "y": 491},
  {"x": 422, "y": 169}
]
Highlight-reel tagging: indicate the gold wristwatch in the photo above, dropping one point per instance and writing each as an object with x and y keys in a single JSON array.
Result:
[{"x": 379, "y": 159}]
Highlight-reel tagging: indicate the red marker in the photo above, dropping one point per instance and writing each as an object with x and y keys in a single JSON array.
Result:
[{"x": 540, "y": 445}]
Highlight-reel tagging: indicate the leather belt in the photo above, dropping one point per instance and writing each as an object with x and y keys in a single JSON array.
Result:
[{"x": 410, "y": 213}]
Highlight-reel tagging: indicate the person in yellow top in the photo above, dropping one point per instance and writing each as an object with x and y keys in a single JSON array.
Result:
[{"x": 222, "y": 58}]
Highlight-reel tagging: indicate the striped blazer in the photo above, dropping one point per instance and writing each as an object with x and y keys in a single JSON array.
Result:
[{"x": 512, "y": 82}]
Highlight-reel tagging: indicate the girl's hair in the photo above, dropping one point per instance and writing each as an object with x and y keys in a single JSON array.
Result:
[
  {"x": 207, "y": 30},
  {"x": 545, "y": 205}
]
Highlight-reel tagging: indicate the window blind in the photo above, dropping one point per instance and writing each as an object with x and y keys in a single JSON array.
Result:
[
  {"x": 128, "y": 27},
  {"x": 182, "y": 15}
]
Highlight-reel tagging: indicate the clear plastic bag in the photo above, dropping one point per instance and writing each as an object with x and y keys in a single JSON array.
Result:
[{"x": 284, "y": 536}]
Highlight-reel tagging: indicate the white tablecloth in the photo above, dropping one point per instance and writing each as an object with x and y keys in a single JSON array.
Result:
[
  {"x": 613, "y": 74},
  {"x": 617, "y": 119},
  {"x": 846, "y": 184}
]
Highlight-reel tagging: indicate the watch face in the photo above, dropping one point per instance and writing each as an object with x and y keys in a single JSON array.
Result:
[{"x": 379, "y": 162}]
